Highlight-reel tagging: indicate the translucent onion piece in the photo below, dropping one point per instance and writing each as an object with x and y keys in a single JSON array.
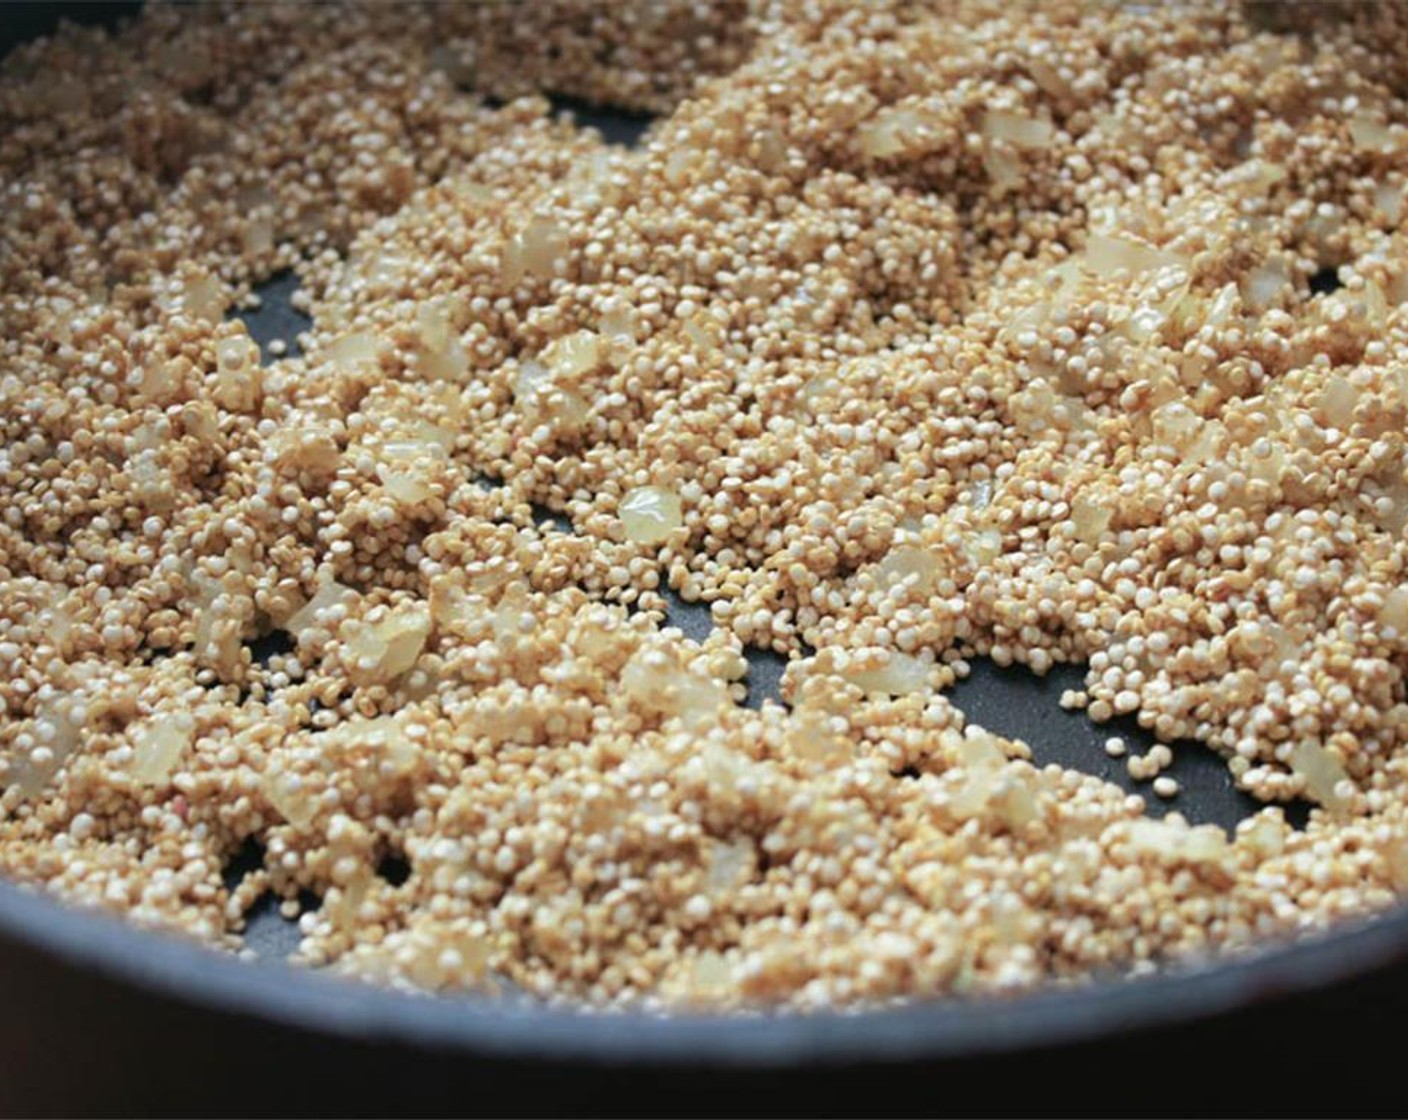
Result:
[
  {"x": 238, "y": 378},
  {"x": 1322, "y": 772},
  {"x": 1370, "y": 135},
  {"x": 202, "y": 296},
  {"x": 1091, "y": 518},
  {"x": 1017, "y": 129},
  {"x": 1107, "y": 254},
  {"x": 730, "y": 864},
  {"x": 57, "y": 731},
  {"x": 408, "y": 469},
  {"x": 619, "y": 323},
  {"x": 358, "y": 348},
  {"x": 159, "y": 745},
  {"x": 899, "y": 130},
  {"x": 257, "y": 237},
  {"x": 1173, "y": 840},
  {"x": 650, "y": 514},
  {"x": 1265, "y": 285},
  {"x": 444, "y": 356},
  {"x": 1394, "y": 611},
  {"x": 1337, "y": 402},
  {"x": 290, "y": 796},
  {"x": 911, "y": 566},
  {"x": 811, "y": 736},
  {"x": 331, "y": 600},
  {"x": 657, "y": 684},
  {"x": 900, "y": 675},
  {"x": 577, "y": 354},
  {"x": 305, "y": 448},
  {"x": 983, "y": 547},
  {"x": 536, "y": 253},
  {"x": 1389, "y": 198},
  {"x": 379, "y": 652},
  {"x": 1003, "y": 166}
]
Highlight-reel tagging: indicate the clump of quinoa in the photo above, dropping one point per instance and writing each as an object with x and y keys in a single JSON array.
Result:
[{"x": 906, "y": 337}]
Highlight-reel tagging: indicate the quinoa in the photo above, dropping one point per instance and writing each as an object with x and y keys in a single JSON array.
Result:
[{"x": 1073, "y": 334}]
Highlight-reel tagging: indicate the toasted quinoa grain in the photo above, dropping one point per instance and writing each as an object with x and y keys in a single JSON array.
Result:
[{"x": 912, "y": 333}]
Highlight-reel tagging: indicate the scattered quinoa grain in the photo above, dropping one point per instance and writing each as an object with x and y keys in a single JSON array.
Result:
[{"x": 906, "y": 337}]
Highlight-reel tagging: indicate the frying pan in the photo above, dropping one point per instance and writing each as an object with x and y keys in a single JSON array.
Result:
[{"x": 98, "y": 1016}]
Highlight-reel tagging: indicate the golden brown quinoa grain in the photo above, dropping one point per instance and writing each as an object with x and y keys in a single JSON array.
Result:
[{"x": 917, "y": 333}]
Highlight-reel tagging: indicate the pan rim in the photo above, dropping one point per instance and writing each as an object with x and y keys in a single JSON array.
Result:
[{"x": 167, "y": 966}]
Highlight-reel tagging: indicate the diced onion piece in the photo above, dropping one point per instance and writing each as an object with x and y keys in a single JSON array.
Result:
[
  {"x": 983, "y": 547},
  {"x": 1370, "y": 135},
  {"x": 1337, "y": 402},
  {"x": 257, "y": 237},
  {"x": 577, "y": 354},
  {"x": 476, "y": 194},
  {"x": 1276, "y": 647},
  {"x": 1107, "y": 254},
  {"x": 1322, "y": 771},
  {"x": 730, "y": 864},
  {"x": 408, "y": 468},
  {"x": 161, "y": 382},
  {"x": 331, "y": 596},
  {"x": 819, "y": 392},
  {"x": 536, "y": 252},
  {"x": 159, "y": 745},
  {"x": 1171, "y": 840},
  {"x": 152, "y": 485},
  {"x": 711, "y": 975},
  {"x": 1143, "y": 323},
  {"x": 1389, "y": 198},
  {"x": 811, "y": 736},
  {"x": 1264, "y": 835},
  {"x": 1045, "y": 74},
  {"x": 291, "y": 797},
  {"x": 700, "y": 330},
  {"x": 57, "y": 731},
  {"x": 1017, "y": 129},
  {"x": 238, "y": 378},
  {"x": 1014, "y": 802},
  {"x": 658, "y": 684},
  {"x": 383, "y": 735},
  {"x": 1091, "y": 518},
  {"x": 1394, "y": 611},
  {"x": 978, "y": 749},
  {"x": 353, "y": 349},
  {"x": 1265, "y": 285},
  {"x": 1207, "y": 843},
  {"x": 1268, "y": 463},
  {"x": 305, "y": 448},
  {"x": 900, "y": 675},
  {"x": 1176, "y": 424},
  {"x": 445, "y": 358},
  {"x": 1034, "y": 405},
  {"x": 898, "y": 130},
  {"x": 771, "y": 148},
  {"x": 650, "y": 514},
  {"x": 379, "y": 652},
  {"x": 619, "y": 322},
  {"x": 1003, "y": 166},
  {"x": 537, "y": 393},
  {"x": 533, "y": 378},
  {"x": 1225, "y": 307},
  {"x": 910, "y": 565},
  {"x": 202, "y": 296}
]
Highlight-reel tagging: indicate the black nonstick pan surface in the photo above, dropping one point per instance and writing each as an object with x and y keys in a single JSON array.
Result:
[{"x": 97, "y": 1016}]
